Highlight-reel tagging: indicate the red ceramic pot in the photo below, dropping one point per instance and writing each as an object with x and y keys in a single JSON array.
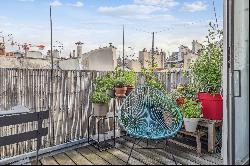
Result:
[{"x": 212, "y": 106}]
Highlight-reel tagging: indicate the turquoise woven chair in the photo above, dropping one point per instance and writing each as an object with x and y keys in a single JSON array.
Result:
[{"x": 148, "y": 113}]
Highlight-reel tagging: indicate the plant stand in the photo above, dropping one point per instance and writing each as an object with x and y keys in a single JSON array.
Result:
[
  {"x": 102, "y": 142},
  {"x": 196, "y": 135},
  {"x": 214, "y": 139}
]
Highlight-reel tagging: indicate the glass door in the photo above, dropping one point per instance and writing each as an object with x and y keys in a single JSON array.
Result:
[{"x": 236, "y": 85}]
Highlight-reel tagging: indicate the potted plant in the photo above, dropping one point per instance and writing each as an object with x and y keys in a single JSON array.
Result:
[
  {"x": 191, "y": 111},
  {"x": 183, "y": 92},
  {"x": 105, "y": 84},
  {"x": 130, "y": 77},
  {"x": 120, "y": 87},
  {"x": 110, "y": 85},
  {"x": 100, "y": 103},
  {"x": 207, "y": 75}
]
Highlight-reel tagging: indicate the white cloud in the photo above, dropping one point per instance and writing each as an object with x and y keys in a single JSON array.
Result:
[
  {"x": 77, "y": 4},
  {"x": 3, "y": 17},
  {"x": 194, "y": 7},
  {"x": 141, "y": 10},
  {"x": 162, "y": 3},
  {"x": 151, "y": 18},
  {"x": 129, "y": 10},
  {"x": 56, "y": 3}
]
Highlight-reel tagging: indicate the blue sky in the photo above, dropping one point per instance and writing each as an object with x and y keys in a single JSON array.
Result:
[{"x": 99, "y": 22}]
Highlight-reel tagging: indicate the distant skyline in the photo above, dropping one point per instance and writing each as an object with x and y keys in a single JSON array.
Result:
[{"x": 99, "y": 22}]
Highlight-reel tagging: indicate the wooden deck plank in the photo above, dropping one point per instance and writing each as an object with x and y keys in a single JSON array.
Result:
[
  {"x": 118, "y": 156},
  {"x": 33, "y": 162},
  {"x": 113, "y": 160},
  {"x": 137, "y": 155},
  {"x": 123, "y": 156},
  {"x": 167, "y": 154},
  {"x": 78, "y": 158},
  {"x": 63, "y": 159},
  {"x": 94, "y": 158},
  {"x": 184, "y": 153},
  {"x": 149, "y": 153},
  {"x": 205, "y": 156},
  {"x": 48, "y": 161}
]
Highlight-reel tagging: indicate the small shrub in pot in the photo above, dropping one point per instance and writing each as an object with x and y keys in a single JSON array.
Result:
[
  {"x": 120, "y": 87},
  {"x": 191, "y": 111},
  {"x": 100, "y": 102}
]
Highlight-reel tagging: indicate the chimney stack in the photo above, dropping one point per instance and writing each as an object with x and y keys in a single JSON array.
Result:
[{"x": 79, "y": 49}]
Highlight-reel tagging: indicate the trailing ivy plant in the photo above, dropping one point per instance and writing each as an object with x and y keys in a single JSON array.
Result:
[{"x": 207, "y": 69}]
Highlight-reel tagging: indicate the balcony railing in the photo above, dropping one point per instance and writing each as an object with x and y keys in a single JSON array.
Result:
[{"x": 68, "y": 102}]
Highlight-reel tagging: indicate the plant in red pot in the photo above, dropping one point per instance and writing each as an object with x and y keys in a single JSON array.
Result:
[
  {"x": 207, "y": 75},
  {"x": 120, "y": 87}
]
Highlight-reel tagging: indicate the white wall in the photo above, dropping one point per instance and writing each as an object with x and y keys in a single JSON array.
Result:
[
  {"x": 6, "y": 62},
  {"x": 34, "y": 54},
  {"x": 103, "y": 59},
  {"x": 70, "y": 64}
]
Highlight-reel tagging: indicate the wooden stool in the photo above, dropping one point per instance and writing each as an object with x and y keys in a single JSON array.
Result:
[
  {"x": 211, "y": 125},
  {"x": 197, "y": 135}
]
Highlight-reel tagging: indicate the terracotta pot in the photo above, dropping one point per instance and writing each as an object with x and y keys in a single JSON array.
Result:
[
  {"x": 121, "y": 92},
  {"x": 129, "y": 90},
  {"x": 212, "y": 106},
  {"x": 191, "y": 124},
  {"x": 100, "y": 109},
  {"x": 180, "y": 101},
  {"x": 111, "y": 93}
]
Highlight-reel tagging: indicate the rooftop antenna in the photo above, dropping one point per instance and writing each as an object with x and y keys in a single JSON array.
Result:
[
  {"x": 215, "y": 14},
  {"x": 51, "y": 73},
  {"x": 123, "y": 49}
]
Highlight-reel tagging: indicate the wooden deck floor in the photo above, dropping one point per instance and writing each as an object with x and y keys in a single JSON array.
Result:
[{"x": 88, "y": 155}]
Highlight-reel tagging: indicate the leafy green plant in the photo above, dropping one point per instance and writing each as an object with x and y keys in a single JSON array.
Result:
[
  {"x": 151, "y": 80},
  {"x": 104, "y": 83},
  {"x": 120, "y": 82},
  {"x": 99, "y": 98},
  {"x": 186, "y": 91},
  {"x": 191, "y": 109},
  {"x": 207, "y": 69},
  {"x": 130, "y": 77}
]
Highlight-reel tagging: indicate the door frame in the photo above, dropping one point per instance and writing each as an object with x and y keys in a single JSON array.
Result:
[{"x": 228, "y": 85}]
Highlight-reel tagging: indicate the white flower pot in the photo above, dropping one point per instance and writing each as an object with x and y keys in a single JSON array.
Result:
[
  {"x": 100, "y": 109},
  {"x": 191, "y": 124}
]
